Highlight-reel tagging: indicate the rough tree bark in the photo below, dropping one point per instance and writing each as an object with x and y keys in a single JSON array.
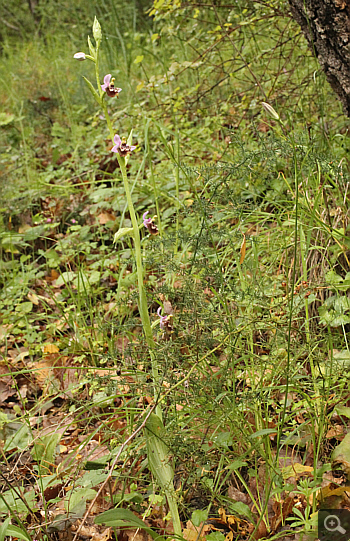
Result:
[{"x": 326, "y": 26}]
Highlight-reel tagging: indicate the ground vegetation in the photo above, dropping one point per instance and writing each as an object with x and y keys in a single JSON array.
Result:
[{"x": 238, "y": 172}]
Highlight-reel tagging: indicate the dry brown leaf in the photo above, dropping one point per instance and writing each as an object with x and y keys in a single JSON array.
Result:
[
  {"x": 33, "y": 298},
  {"x": 43, "y": 369},
  {"x": 52, "y": 277},
  {"x": 105, "y": 217},
  {"x": 237, "y": 495},
  {"x": 50, "y": 348},
  {"x": 336, "y": 431},
  {"x": 6, "y": 389},
  {"x": 190, "y": 533},
  {"x": 332, "y": 496},
  {"x": 243, "y": 250},
  {"x": 17, "y": 355},
  {"x": 282, "y": 510}
]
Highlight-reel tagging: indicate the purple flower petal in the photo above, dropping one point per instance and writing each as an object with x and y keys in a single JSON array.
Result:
[
  {"x": 160, "y": 308},
  {"x": 146, "y": 221},
  {"x": 106, "y": 80},
  {"x": 117, "y": 140}
]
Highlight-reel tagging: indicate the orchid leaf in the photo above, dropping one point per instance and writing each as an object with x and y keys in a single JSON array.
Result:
[
  {"x": 92, "y": 90},
  {"x": 124, "y": 518},
  {"x": 122, "y": 233}
]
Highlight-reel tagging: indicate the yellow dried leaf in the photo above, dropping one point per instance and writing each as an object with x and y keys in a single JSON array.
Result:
[
  {"x": 295, "y": 470},
  {"x": 33, "y": 298},
  {"x": 50, "y": 348}
]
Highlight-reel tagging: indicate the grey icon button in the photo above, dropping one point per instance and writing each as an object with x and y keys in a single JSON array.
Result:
[{"x": 334, "y": 525}]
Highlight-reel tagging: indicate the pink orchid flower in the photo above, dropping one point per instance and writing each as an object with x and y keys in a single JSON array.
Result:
[
  {"x": 121, "y": 147},
  {"x": 148, "y": 223},
  {"x": 109, "y": 87}
]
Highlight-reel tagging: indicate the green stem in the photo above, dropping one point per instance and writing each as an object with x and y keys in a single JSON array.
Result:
[{"x": 143, "y": 308}]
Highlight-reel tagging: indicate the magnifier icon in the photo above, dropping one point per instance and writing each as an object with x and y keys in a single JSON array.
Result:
[{"x": 332, "y": 524}]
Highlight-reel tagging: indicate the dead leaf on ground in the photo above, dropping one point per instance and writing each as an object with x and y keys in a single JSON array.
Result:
[
  {"x": 237, "y": 495},
  {"x": 190, "y": 533},
  {"x": 50, "y": 348},
  {"x": 105, "y": 217},
  {"x": 6, "y": 382},
  {"x": 341, "y": 456},
  {"x": 282, "y": 510},
  {"x": 336, "y": 431}
]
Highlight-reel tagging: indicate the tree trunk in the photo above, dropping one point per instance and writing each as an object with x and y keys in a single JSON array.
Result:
[{"x": 326, "y": 26}]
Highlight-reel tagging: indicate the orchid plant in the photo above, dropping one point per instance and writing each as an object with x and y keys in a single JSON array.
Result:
[{"x": 158, "y": 455}]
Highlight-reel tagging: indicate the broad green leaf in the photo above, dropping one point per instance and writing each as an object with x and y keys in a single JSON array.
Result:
[
  {"x": 63, "y": 521},
  {"x": 6, "y": 118},
  {"x": 242, "y": 509},
  {"x": 341, "y": 456},
  {"x": 24, "y": 307},
  {"x": 15, "y": 531},
  {"x": 215, "y": 536},
  {"x": 17, "y": 436},
  {"x": 3, "y": 528},
  {"x": 126, "y": 519},
  {"x": 65, "y": 277},
  {"x": 198, "y": 516},
  {"x": 94, "y": 277},
  {"x": 82, "y": 282},
  {"x": 75, "y": 498},
  {"x": 236, "y": 464},
  {"x": 122, "y": 232},
  {"x": 94, "y": 477},
  {"x": 34, "y": 233},
  {"x": 159, "y": 463},
  {"x": 158, "y": 453},
  {"x": 9, "y": 500},
  {"x": 333, "y": 278},
  {"x": 44, "y": 450},
  {"x": 342, "y": 410}
]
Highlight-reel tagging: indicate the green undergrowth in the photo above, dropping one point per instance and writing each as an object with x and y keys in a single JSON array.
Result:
[{"x": 251, "y": 262}]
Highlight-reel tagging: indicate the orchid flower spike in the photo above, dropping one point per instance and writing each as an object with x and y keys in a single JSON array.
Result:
[
  {"x": 80, "y": 56},
  {"x": 109, "y": 87},
  {"x": 121, "y": 147},
  {"x": 148, "y": 223}
]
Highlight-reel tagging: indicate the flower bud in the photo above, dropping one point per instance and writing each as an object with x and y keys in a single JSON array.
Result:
[
  {"x": 269, "y": 109},
  {"x": 97, "y": 32},
  {"x": 80, "y": 56}
]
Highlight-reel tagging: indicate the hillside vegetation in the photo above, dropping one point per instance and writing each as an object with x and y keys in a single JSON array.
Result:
[{"x": 187, "y": 370}]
